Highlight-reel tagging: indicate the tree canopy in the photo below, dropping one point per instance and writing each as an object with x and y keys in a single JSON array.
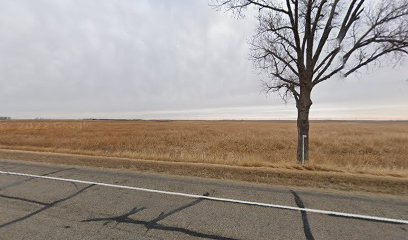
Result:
[{"x": 313, "y": 40}]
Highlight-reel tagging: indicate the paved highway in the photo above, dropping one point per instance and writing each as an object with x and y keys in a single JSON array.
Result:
[{"x": 35, "y": 208}]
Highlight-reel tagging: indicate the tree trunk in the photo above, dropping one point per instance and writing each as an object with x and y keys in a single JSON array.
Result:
[{"x": 303, "y": 106}]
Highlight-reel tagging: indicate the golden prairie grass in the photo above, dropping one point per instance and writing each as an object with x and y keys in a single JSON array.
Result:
[{"x": 379, "y": 148}]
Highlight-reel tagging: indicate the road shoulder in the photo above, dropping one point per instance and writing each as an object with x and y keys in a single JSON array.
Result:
[{"x": 331, "y": 181}]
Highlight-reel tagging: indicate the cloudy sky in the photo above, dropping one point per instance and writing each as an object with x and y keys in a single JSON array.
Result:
[{"x": 178, "y": 59}]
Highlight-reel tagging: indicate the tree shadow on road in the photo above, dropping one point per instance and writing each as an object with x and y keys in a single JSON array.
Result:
[
  {"x": 306, "y": 226},
  {"x": 45, "y": 205},
  {"x": 31, "y": 178},
  {"x": 154, "y": 223}
]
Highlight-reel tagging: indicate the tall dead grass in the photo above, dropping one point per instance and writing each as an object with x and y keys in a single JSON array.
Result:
[{"x": 360, "y": 147}]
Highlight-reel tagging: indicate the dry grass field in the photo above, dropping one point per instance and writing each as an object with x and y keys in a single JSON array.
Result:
[{"x": 379, "y": 148}]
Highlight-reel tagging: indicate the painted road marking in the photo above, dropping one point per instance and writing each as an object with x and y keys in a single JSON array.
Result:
[{"x": 228, "y": 200}]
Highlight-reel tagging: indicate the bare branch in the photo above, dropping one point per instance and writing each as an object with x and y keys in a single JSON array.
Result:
[{"x": 301, "y": 43}]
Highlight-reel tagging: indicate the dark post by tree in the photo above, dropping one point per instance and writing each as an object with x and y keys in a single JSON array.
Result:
[{"x": 301, "y": 43}]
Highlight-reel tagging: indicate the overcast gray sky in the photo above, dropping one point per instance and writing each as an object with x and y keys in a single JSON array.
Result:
[{"x": 176, "y": 59}]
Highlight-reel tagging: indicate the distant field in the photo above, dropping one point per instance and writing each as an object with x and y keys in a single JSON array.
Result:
[{"x": 357, "y": 147}]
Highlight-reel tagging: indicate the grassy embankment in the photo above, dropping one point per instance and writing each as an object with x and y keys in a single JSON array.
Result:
[{"x": 342, "y": 148}]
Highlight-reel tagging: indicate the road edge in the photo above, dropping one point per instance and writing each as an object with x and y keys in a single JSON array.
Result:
[{"x": 284, "y": 177}]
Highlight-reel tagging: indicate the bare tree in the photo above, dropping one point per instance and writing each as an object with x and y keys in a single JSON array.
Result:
[{"x": 301, "y": 43}]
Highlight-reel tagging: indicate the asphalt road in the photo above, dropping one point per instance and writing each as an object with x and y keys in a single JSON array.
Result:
[{"x": 32, "y": 208}]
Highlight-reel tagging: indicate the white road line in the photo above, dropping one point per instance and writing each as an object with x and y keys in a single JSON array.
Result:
[{"x": 228, "y": 200}]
